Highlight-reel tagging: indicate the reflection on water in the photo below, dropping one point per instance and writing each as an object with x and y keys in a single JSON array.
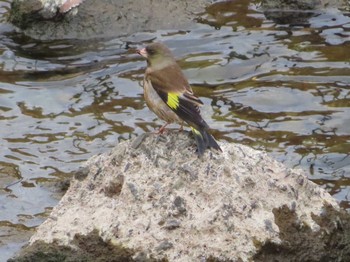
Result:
[{"x": 279, "y": 88}]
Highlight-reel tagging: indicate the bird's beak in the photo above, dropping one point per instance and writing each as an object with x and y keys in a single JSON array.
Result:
[{"x": 142, "y": 52}]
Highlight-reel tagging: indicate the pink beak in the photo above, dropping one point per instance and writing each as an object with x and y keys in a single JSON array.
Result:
[{"x": 142, "y": 52}]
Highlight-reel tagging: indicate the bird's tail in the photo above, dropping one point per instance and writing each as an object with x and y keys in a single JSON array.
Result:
[{"x": 204, "y": 140}]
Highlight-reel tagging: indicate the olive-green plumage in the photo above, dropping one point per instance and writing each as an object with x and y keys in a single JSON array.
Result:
[{"x": 169, "y": 95}]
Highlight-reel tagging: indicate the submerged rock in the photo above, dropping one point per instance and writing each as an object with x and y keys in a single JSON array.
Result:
[{"x": 154, "y": 199}]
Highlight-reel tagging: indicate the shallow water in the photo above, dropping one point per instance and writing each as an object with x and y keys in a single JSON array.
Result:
[{"x": 279, "y": 88}]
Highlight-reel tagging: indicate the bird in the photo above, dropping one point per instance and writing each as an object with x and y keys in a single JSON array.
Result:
[{"x": 169, "y": 95}]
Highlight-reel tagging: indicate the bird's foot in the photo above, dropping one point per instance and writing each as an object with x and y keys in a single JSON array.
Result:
[
  {"x": 162, "y": 130},
  {"x": 181, "y": 128}
]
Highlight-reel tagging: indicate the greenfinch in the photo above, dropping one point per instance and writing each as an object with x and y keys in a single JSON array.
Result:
[{"x": 169, "y": 95}]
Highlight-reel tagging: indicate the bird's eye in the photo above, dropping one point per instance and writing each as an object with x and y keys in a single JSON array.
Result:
[{"x": 150, "y": 51}]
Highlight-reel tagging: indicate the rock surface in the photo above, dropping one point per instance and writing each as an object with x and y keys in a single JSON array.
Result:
[
  {"x": 83, "y": 19},
  {"x": 298, "y": 12},
  {"x": 303, "y": 4},
  {"x": 43, "y": 19},
  {"x": 157, "y": 200}
]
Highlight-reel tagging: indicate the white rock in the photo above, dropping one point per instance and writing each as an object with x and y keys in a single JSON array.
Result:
[{"x": 156, "y": 196}]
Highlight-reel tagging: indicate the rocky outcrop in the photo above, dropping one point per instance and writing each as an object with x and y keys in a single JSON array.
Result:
[
  {"x": 50, "y": 19},
  {"x": 26, "y": 13},
  {"x": 82, "y": 19},
  {"x": 154, "y": 199},
  {"x": 302, "y": 4},
  {"x": 298, "y": 12}
]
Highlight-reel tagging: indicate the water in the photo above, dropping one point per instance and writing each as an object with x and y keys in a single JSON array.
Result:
[{"x": 279, "y": 88}]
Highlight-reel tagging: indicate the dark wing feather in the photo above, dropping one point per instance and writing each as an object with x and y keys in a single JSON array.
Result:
[
  {"x": 186, "y": 109},
  {"x": 192, "y": 98}
]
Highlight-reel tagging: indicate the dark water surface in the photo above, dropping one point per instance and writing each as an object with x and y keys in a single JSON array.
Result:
[{"x": 279, "y": 88}]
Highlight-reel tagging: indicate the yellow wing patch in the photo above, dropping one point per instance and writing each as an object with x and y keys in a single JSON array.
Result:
[{"x": 173, "y": 100}]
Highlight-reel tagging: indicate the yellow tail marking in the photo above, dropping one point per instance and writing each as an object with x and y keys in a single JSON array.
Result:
[
  {"x": 196, "y": 132},
  {"x": 173, "y": 100}
]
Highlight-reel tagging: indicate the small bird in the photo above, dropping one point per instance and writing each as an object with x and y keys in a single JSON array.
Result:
[{"x": 168, "y": 94}]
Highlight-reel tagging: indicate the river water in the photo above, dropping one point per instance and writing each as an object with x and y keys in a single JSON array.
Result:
[{"x": 276, "y": 87}]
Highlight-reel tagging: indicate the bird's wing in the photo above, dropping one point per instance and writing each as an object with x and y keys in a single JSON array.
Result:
[
  {"x": 183, "y": 104},
  {"x": 171, "y": 80}
]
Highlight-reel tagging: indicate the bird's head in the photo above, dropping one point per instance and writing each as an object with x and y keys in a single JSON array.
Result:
[{"x": 157, "y": 54}]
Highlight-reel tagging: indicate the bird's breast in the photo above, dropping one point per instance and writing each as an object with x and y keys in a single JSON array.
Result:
[{"x": 157, "y": 105}]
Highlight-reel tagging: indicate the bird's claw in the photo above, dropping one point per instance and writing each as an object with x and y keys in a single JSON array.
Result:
[{"x": 162, "y": 130}]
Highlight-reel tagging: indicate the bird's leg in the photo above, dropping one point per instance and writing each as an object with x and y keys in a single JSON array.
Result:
[{"x": 162, "y": 129}]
